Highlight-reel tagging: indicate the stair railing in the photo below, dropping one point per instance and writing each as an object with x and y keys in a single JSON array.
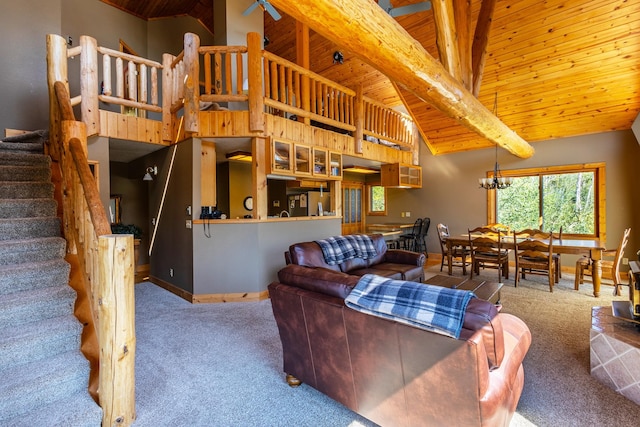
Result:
[{"x": 107, "y": 264}]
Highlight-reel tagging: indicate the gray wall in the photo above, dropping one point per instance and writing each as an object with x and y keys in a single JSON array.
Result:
[
  {"x": 450, "y": 192},
  {"x": 23, "y": 27}
]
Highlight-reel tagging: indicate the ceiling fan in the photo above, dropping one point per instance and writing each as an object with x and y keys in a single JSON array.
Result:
[
  {"x": 403, "y": 10},
  {"x": 265, "y": 5}
]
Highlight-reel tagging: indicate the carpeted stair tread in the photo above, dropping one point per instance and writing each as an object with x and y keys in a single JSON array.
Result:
[
  {"x": 42, "y": 382},
  {"x": 20, "y": 308},
  {"x": 39, "y": 340},
  {"x": 31, "y": 250},
  {"x": 26, "y": 228},
  {"x": 77, "y": 410},
  {"x": 27, "y": 208},
  {"x": 25, "y": 173},
  {"x": 29, "y": 275},
  {"x": 8, "y": 157},
  {"x": 29, "y": 147},
  {"x": 25, "y": 189}
]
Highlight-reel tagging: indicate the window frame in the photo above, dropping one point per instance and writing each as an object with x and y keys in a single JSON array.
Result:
[
  {"x": 369, "y": 190},
  {"x": 600, "y": 198}
]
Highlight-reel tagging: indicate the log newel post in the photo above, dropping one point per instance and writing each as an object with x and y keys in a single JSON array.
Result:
[
  {"x": 116, "y": 329},
  {"x": 89, "y": 88},
  {"x": 167, "y": 96},
  {"x": 191, "y": 84},
  {"x": 56, "y": 72},
  {"x": 254, "y": 66}
]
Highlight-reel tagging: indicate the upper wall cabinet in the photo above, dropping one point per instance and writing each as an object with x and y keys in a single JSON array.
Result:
[
  {"x": 291, "y": 158},
  {"x": 398, "y": 175}
]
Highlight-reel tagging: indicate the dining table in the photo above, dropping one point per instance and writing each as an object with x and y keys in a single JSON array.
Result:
[
  {"x": 390, "y": 231},
  {"x": 592, "y": 248}
]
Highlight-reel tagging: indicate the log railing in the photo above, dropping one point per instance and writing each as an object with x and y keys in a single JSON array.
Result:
[
  {"x": 105, "y": 261},
  {"x": 222, "y": 74}
]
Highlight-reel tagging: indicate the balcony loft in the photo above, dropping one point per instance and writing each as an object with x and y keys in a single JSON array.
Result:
[{"x": 241, "y": 92}]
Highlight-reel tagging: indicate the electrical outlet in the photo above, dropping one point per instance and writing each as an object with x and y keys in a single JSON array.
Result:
[
  {"x": 188, "y": 223},
  {"x": 171, "y": 272},
  {"x": 625, "y": 261},
  {"x": 407, "y": 214},
  {"x": 153, "y": 221}
]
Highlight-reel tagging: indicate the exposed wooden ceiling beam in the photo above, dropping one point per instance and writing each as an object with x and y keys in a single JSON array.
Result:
[
  {"x": 362, "y": 27},
  {"x": 480, "y": 40},
  {"x": 447, "y": 37}
]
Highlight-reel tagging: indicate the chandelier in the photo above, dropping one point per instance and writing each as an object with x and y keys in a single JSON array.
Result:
[{"x": 497, "y": 181}]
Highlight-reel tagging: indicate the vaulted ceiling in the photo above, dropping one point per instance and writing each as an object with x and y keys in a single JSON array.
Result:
[{"x": 559, "y": 67}]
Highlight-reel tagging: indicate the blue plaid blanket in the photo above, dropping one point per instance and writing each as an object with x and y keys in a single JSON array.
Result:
[
  {"x": 430, "y": 307},
  {"x": 338, "y": 249}
]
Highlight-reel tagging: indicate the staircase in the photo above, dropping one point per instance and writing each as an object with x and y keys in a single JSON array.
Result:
[{"x": 44, "y": 374}]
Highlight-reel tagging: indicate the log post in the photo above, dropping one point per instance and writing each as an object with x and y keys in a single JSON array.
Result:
[
  {"x": 254, "y": 67},
  {"x": 116, "y": 329},
  {"x": 191, "y": 84},
  {"x": 89, "y": 88},
  {"x": 56, "y": 72},
  {"x": 359, "y": 119},
  {"x": 167, "y": 96}
]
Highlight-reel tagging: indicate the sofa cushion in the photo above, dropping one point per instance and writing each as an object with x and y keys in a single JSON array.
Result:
[
  {"x": 309, "y": 254},
  {"x": 408, "y": 272},
  {"x": 353, "y": 264},
  {"x": 381, "y": 249},
  {"x": 389, "y": 274},
  {"x": 318, "y": 279}
]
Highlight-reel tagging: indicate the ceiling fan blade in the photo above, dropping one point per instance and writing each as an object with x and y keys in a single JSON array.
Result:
[
  {"x": 411, "y": 8},
  {"x": 251, "y": 8},
  {"x": 272, "y": 11}
]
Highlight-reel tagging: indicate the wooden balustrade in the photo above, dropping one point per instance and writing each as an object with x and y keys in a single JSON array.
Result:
[
  {"x": 230, "y": 74},
  {"x": 387, "y": 124},
  {"x": 105, "y": 266},
  {"x": 329, "y": 102}
]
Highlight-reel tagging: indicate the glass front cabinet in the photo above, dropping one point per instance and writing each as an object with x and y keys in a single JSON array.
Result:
[{"x": 291, "y": 158}]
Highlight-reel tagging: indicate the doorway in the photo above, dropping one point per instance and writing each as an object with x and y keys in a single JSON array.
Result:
[{"x": 352, "y": 221}]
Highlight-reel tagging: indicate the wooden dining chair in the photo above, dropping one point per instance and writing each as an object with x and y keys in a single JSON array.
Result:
[
  {"x": 534, "y": 255},
  {"x": 610, "y": 264},
  {"x": 534, "y": 233},
  {"x": 456, "y": 255},
  {"x": 487, "y": 252}
]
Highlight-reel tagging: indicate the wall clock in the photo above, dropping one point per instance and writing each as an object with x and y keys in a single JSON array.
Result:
[{"x": 248, "y": 203}]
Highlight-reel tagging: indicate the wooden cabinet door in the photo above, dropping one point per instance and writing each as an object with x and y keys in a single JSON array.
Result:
[{"x": 352, "y": 214}]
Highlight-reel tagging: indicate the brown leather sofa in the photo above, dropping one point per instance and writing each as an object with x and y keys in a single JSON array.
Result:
[
  {"x": 391, "y": 263},
  {"x": 392, "y": 373}
]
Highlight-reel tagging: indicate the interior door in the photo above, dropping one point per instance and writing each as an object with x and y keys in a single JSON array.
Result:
[{"x": 352, "y": 220}]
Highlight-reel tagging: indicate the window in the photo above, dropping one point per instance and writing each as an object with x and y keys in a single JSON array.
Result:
[
  {"x": 571, "y": 197},
  {"x": 377, "y": 200}
]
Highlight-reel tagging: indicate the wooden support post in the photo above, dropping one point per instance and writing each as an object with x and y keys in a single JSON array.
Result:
[
  {"x": 56, "y": 72},
  {"x": 302, "y": 59},
  {"x": 167, "y": 86},
  {"x": 259, "y": 178},
  {"x": 191, "y": 84},
  {"x": 116, "y": 329},
  {"x": 359, "y": 119},
  {"x": 254, "y": 66},
  {"x": 480, "y": 41},
  {"x": 89, "y": 88}
]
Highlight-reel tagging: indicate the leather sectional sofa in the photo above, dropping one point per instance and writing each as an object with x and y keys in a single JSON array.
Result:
[
  {"x": 392, "y": 263},
  {"x": 392, "y": 373}
]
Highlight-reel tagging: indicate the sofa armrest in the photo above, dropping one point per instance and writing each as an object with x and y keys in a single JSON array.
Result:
[
  {"x": 318, "y": 279},
  {"x": 482, "y": 325},
  {"x": 399, "y": 256}
]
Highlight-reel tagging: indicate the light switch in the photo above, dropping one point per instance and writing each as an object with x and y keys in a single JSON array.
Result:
[{"x": 188, "y": 223}]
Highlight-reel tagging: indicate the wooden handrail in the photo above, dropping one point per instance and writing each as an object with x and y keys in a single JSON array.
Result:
[{"x": 105, "y": 265}]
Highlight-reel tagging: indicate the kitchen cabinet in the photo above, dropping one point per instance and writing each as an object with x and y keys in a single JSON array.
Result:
[{"x": 398, "y": 175}]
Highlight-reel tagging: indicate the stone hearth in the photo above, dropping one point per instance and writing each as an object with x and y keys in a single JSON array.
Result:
[{"x": 615, "y": 353}]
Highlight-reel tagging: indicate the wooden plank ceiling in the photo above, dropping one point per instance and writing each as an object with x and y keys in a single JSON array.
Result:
[{"x": 559, "y": 68}]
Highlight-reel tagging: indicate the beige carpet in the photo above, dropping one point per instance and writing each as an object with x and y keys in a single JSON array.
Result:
[{"x": 559, "y": 390}]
